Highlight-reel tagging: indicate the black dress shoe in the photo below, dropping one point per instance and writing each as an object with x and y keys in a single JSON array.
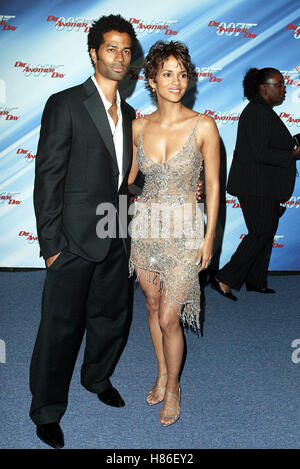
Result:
[
  {"x": 111, "y": 397},
  {"x": 216, "y": 286},
  {"x": 51, "y": 434},
  {"x": 259, "y": 290}
]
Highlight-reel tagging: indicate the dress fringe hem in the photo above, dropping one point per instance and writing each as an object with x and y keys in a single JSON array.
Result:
[{"x": 192, "y": 318}]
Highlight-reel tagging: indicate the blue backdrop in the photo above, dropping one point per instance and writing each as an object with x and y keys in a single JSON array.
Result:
[{"x": 44, "y": 50}]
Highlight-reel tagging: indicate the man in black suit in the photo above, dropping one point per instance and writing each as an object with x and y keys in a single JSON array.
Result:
[
  {"x": 83, "y": 160},
  {"x": 262, "y": 175}
]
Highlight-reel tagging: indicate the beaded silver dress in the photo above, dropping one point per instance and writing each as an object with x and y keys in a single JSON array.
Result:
[{"x": 167, "y": 227}]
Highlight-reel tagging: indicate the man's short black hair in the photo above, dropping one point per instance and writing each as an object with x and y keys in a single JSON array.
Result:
[{"x": 106, "y": 24}]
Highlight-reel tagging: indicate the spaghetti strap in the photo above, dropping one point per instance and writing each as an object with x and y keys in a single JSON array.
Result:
[
  {"x": 196, "y": 124},
  {"x": 142, "y": 124},
  {"x": 141, "y": 130}
]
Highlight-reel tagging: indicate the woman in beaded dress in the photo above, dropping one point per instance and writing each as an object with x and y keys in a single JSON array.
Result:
[{"x": 168, "y": 246}]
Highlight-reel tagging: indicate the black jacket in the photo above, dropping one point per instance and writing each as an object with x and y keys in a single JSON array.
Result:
[
  {"x": 263, "y": 164},
  {"x": 76, "y": 169}
]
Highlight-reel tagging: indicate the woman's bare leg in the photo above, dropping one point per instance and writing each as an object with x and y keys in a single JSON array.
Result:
[
  {"x": 173, "y": 346},
  {"x": 152, "y": 294}
]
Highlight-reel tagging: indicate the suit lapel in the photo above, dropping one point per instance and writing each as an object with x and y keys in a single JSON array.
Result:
[
  {"x": 96, "y": 110},
  {"x": 127, "y": 139}
]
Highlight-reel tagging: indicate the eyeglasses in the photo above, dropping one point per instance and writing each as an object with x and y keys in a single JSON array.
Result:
[{"x": 276, "y": 84}]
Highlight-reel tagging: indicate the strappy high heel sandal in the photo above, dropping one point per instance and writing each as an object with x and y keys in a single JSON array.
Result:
[
  {"x": 151, "y": 394},
  {"x": 176, "y": 414}
]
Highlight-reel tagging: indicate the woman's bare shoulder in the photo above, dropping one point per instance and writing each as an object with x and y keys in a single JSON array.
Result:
[
  {"x": 189, "y": 113},
  {"x": 206, "y": 122},
  {"x": 136, "y": 127},
  {"x": 150, "y": 117},
  {"x": 136, "y": 122}
]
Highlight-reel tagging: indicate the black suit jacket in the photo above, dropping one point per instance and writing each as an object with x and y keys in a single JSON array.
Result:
[
  {"x": 263, "y": 164},
  {"x": 76, "y": 170}
]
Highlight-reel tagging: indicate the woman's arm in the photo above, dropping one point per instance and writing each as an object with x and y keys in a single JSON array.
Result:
[
  {"x": 134, "y": 166},
  {"x": 211, "y": 153}
]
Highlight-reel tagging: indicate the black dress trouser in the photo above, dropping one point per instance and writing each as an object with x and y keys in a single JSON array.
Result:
[
  {"x": 251, "y": 260},
  {"x": 79, "y": 296}
]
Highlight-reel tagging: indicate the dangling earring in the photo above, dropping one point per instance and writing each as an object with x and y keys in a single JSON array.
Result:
[{"x": 153, "y": 89}]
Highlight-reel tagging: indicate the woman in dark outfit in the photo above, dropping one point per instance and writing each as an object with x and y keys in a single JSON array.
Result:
[{"x": 262, "y": 175}]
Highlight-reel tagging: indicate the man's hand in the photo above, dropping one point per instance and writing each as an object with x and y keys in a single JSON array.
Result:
[
  {"x": 199, "y": 190},
  {"x": 51, "y": 259}
]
